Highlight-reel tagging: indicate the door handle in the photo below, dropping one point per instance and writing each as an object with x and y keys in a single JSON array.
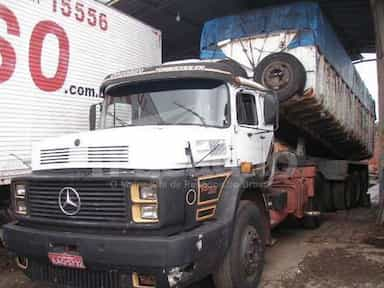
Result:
[{"x": 262, "y": 137}]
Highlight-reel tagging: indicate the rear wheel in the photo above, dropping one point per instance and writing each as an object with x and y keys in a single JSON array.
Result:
[
  {"x": 244, "y": 262},
  {"x": 338, "y": 195},
  {"x": 357, "y": 187},
  {"x": 326, "y": 196},
  {"x": 365, "y": 199},
  {"x": 350, "y": 192}
]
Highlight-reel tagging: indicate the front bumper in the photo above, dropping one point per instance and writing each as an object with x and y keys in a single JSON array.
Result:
[{"x": 201, "y": 248}]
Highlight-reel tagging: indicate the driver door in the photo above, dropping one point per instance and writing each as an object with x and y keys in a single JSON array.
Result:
[{"x": 249, "y": 137}]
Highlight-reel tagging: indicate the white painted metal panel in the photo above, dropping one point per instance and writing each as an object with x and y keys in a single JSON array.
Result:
[
  {"x": 100, "y": 40},
  {"x": 135, "y": 147}
]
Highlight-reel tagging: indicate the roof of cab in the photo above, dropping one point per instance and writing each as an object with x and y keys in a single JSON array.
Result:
[{"x": 226, "y": 70}]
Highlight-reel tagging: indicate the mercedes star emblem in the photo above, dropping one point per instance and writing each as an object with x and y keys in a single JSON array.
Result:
[{"x": 69, "y": 201}]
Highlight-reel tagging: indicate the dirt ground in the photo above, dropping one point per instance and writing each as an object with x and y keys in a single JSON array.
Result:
[{"x": 346, "y": 251}]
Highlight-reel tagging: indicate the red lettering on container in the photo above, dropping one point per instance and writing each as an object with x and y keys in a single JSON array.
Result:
[
  {"x": 7, "y": 52},
  {"x": 39, "y": 33}
]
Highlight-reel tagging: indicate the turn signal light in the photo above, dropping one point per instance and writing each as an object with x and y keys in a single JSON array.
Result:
[{"x": 246, "y": 167}]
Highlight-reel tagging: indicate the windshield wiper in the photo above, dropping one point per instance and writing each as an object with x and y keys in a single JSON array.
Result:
[
  {"x": 118, "y": 119},
  {"x": 192, "y": 112},
  {"x": 209, "y": 152},
  {"x": 188, "y": 152}
]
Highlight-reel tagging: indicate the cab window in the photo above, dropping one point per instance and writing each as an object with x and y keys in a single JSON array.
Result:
[{"x": 246, "y": 109}]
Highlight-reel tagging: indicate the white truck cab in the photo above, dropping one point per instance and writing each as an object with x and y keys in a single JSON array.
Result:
[{"x": 149, "y": 117}]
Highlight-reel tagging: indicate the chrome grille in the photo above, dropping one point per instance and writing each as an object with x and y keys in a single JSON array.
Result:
[
  {"x": 101, "y": 201},
  {"x": 93, "y": 154}
]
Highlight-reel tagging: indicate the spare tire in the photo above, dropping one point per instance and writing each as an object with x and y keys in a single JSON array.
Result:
[{"x": 283, "y": 73}]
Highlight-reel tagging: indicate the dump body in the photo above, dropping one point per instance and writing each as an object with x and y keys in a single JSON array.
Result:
[
  {"x": 55, "y": 57},
  {"x": 334, "y": 111}
]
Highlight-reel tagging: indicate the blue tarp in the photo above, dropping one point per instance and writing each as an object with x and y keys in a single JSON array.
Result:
[{"x": 305, "y": 17}]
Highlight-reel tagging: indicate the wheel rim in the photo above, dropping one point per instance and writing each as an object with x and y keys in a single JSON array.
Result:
[
  {"x": 250, "y": 251},
  {"x": 276, "y": 75}
]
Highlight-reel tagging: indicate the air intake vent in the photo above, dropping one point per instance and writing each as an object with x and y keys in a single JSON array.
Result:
[
  {"x": 94, "y": 154},
  {"x": 74, "y": 277}
]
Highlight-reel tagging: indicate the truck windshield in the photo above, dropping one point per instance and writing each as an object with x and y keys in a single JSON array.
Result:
[{"x": 202, "y": 102}]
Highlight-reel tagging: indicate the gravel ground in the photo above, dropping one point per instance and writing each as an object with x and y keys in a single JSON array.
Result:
[{"x": 346, "y": 251}]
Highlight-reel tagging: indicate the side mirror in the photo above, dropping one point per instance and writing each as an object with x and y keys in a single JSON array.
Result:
[
  {"x": 271, "y": 110},
  {"x": 93, "y": 112}
]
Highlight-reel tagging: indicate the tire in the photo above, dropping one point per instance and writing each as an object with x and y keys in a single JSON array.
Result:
[
  {"x": 357, "y": 189},
  {"x": 244, "y": 262},
  {"x": 364, "y": 181},
  {"x": 319, "y": 180},
  {"x": 312, "y": 221},
  {"x": 338, "y": 195},
  {"x": 283, "y": 73},
  {"x": 326, "y": 196},
  {"x": 365, "y": 199},
  {"x": 350, "y": 192}
]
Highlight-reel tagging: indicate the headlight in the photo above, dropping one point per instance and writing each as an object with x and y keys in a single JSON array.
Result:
[
  {"x": 20, "y": 190},
  {"x": 145, "y": 203},
  {"x": 144, "y": 193},
  {"x": 148, "y": 192},
  {"x": 20, "y": 194},
  {"x": 20, "y": 207}
]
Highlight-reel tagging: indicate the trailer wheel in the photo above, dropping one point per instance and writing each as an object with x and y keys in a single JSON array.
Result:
[
  {"x": 244, "y": 262},
  {"x": 357, "y": 189},
  {"x": 364, "y": 181},
  {"x": 365, "y": 199},
  {"x": 283, "y": 73},
  {"x": 338, "y": 195},
  {"x": 350, "y": 192},
  {"x": 326, "y": 196}
]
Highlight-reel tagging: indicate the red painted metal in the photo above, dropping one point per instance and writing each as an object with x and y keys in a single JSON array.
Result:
[{"x": 299, "y": 186}]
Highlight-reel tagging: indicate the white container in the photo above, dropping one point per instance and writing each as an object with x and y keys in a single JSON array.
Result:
[{"x": 55, "y": 55}]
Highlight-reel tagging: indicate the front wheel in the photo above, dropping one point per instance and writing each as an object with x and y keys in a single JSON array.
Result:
[{"x": 244, "y": 262}]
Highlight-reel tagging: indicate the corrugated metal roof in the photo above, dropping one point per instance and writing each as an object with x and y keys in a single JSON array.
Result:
[{"x": 352, "y": 20}]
